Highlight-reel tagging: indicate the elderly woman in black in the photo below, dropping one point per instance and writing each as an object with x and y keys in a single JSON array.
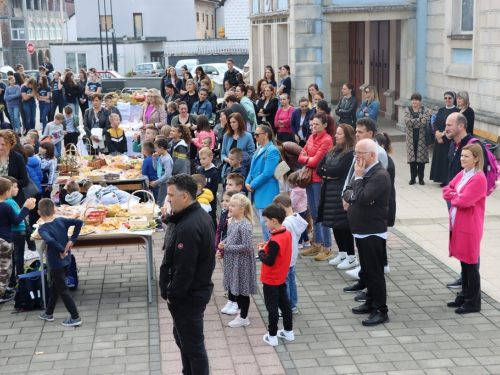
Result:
[
  {"x": 333, "y": 169},
  {"x": 95, "y": 117}
]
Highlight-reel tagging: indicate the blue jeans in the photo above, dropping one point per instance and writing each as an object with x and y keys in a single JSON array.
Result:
[
  {"x": 44, "y": 112},
  {"x": 322, "y": 235},
  {"x": 291, "y": 287},
  {"x": 57, "y": 148},
  {"x": 266, "y": 234},
  {"x": 304, "y": 237},
  {"x": 30, "y": 113},
  {"x": 14, "y": 118}
]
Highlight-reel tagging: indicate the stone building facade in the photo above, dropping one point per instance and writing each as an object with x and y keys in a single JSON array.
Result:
[{"x": 205, "y": 19}]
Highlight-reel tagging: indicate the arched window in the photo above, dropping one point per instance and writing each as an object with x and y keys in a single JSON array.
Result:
[
  {"x": 45, "y": 31},
  {"x": 39, "y": 31},
  {"x": 59, "y": 31},
  {"x": 52, "y": 31},
  {"x": 31, "y": 31}
]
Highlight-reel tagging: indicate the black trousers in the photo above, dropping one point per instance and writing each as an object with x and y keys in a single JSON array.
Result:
[
  {"x": 59, "y": 287},
  {"x": 57, "y": 103},
  {"x": 371, "y": 259},
  {"x": 19, "y": 241},
  {"x": 470, "y": 296},
  {"x": 243, "y": 303},
  {"x": 276, "y": 297},
  {"x": 71, "y": 138},
  {"x": 345, "y": 240},
  {"x": 417, "y": 169},
  {"x": 83, "y": 106},
  {"x": 188, "y": 334}
]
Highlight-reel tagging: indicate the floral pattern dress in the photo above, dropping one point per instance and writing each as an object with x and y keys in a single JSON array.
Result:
[
  {"x": 240, "y": 275},
  {"x": 4, "y": 169}
]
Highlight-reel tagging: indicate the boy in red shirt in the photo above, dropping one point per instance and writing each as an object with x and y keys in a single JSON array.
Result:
[{"x": 275, "y": 256}]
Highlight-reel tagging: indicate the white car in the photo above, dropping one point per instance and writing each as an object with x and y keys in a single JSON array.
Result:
[{"x": 215, "y": 71}]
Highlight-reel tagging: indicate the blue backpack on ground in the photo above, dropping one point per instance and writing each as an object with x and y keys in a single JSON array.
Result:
[{"x": 72, "y": 276}]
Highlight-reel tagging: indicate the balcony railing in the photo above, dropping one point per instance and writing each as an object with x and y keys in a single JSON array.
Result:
[{"x": 206, "y": 47}]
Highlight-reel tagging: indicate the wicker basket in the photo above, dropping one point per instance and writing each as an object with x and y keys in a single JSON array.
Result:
[
  {"x": 96, "y": 178},
  {"x": 150, "y": 214},
  {"x": 94, "y": 217}
]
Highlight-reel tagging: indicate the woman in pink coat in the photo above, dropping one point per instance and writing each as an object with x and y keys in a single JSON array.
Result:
[{"x": 467, "y": 195}]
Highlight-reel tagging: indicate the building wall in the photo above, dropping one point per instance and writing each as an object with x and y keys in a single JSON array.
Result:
[
  {"x": 204, "y": 20},
  {"x": 70, "y": 29},
  {"x": 160, "y": 18},
  {"x": 235, "y": 17},
  {"x": 481, "y": 77}
]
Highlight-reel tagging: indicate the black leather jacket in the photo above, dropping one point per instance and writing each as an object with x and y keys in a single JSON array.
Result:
[{"x": 346, "y": 110}]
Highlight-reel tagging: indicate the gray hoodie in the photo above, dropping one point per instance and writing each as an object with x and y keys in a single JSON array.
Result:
[
  {"x": 74, "y": 198},
  {"x": 296, "y": 226}
]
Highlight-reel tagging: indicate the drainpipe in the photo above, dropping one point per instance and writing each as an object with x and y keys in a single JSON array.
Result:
[{"x": 420, "y": 50}]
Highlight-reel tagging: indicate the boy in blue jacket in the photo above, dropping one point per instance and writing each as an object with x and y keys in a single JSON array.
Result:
[
  {"x": 54, "y": 232},
  {"x": 34, "y": 169},
  {"x": 148, "y": 169}
]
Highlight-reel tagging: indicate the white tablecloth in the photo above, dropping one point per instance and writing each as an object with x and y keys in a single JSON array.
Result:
[{"x": 128, "y": 110}]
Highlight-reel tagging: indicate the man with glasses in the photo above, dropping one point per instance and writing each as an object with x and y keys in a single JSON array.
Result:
[{"x": 367, "y": 196}]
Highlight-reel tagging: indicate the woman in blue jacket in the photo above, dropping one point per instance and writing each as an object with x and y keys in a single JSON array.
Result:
[
  {"x": 260, "y": 180},
  {"x": 370, "y": 107},
  {"x": 202, "y": 106},
  {"x": 237, "y": 136},
  {"x": 300, "y": 121}
]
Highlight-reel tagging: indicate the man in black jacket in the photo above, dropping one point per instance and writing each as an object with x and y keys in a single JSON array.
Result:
[
  {"x": 186, "y": 271},
  {"x": 368, "y": 199},
  {"x": 230, "y": 74}
]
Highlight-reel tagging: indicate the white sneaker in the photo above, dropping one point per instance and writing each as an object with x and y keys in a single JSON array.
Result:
[
  {"x": 270, "y": 340},
  {"x": 300, "y": 246},
  {"x": 341, "y": 256},
  {"x": 307, "y": 244},
  {"x": 239, "y": 322},
  {"x": 233, "y": 310},
  {"x": 287, "y": 335},
  {"x": 354, "y": 273},
  {"x": 349, "y": 262},
  {"x": 387, "y": 269},
  {"x": 226, "y": 308}
]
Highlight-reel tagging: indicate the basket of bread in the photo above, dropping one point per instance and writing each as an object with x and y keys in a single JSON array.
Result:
[
  {"x": 146, "y": 209},
  {"x": 132, "y": 174},
  {"x": 95, "y": 176},
  {"x": 94, "y": 215}
]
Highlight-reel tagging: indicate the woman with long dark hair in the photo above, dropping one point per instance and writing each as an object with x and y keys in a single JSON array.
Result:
[
  {"x": 71, "y": 92},
  {"x": 346, "y": 109},
  {"x": 83, "y": 100},
  {"x": 268, "y": 106},
  {"x": 200, "y": 75},
  {"x": 269, "y": 76},
  {"x": 19, "y": 79},
  {"x": 43, "y": 100},
  {"x": 56, "y": 88},
  {"x": 29, "y": 92}
]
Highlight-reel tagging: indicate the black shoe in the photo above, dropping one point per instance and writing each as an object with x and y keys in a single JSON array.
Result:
[
  {"x": 412, "y": 182},
  {"x": 421, "y": 182},
  {"x": 356, "y": 288},
  {"x": 462, "y": 310},
  {"x": 376, "y": 318},
  {"x": 442, "y": 185},
  {"x": 361, "y": 297},
  {"x": 455, "y": 304},
  {"x": 363, "y": 309},
  {"x": 455, "y": 285}
]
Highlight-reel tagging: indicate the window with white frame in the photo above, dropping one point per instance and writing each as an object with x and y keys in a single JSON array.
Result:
[
  {"x": 467, "y": 15},
  {"x": 17, "y": 30},
  {"x": 45, "y": 31},
  {"x": 59, "y": 31},
  {"x": 31, "y": 31},
  {"x": 52, "y": 31},
  {"x": 76, "y": 61},
  {"x": 39, "y": 31}
]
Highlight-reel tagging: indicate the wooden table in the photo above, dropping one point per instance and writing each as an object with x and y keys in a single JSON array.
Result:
[
  {"x": 126, "y": 184},
  {"x": 143, "y": 237}
]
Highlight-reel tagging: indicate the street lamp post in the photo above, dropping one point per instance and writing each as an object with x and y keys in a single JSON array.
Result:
[{"x": 115, "y": 53}]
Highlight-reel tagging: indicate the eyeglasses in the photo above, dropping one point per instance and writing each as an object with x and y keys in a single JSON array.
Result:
[
  {"x": 256, "y": 135},
  {"x": 361, "y": 152},
  {"x": 448, "y": 98}
]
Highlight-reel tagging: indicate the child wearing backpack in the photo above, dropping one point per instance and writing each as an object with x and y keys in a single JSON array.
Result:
[{"x": 54, "y": 232}]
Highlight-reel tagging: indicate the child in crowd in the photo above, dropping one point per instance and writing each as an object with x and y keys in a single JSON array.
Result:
[
  {"x": 33, "y": 166},
  {"x": 54, "y": 232},
  {"x": 8, "y": 218},
  {"x": 70, "y": 126},
  {"x": 55, "y": 130},
  {"x": 115, "y": 139},
  {"x": 295, "y": 225},
  {"x": 148, "y": 170},
  {"x": 110, "y": 105},
  {"x": 165, "y": 131},
  {"x": 150, "y": 132},
  {"x": 212, "y": 176},
  {"x": 221, "y": 233},
  {"x": 85, "y": 188},
  {"x": 18, "y": 237},
  {"x": 171, "y": 112},
  {"x": 164, "y": 164},
  {"x": 70, "y": 194},
  {"x": 299, "y": 205},
  {"x": 32, "y": 138},
  {"x": 239, "y": 277},
  {"x": 203, "y": 196},
  {"x": 205, "y": 143},
  {"x": 235, "y": 181},
  {"x": 48, "y": 166},
  {"x": 179, "y": 149},
  {"x": 275, "y": 256},
  {"x": 235, "y": 156},
  {"x": 203, "y": 130}
]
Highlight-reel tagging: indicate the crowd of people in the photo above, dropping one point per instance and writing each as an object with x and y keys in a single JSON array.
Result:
[{"x": 306, "y": 175}]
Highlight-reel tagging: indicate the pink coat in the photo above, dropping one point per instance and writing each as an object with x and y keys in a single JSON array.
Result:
[
  {"x": 465, "y": 238},
  {"x": 199, "y": 137}
]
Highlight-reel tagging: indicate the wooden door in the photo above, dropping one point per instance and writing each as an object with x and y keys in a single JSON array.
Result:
[
  {"x": 379, "y": 59},
  {"x": 357, "y": 55}
]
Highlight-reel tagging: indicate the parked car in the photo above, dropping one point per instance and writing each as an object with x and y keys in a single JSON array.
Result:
[
  {"x": 215, "y": 71},
  {"x": 32, "y": 73},
  {"x": 5, "y": 69},
  {"x": 150, "y": 69},
  {"x": 190, "y": 63}
]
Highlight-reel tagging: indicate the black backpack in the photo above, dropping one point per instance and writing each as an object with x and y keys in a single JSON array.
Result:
[
  {"x": 29, "y": 291},
  {"x": 72, "y": 276}
]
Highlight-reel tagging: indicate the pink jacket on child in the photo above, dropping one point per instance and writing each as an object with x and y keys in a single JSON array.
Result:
[
  {"x": 200, "y": 136},
  {"x": 467, "y": 231},
  {"x": 299, "y": 199}
]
